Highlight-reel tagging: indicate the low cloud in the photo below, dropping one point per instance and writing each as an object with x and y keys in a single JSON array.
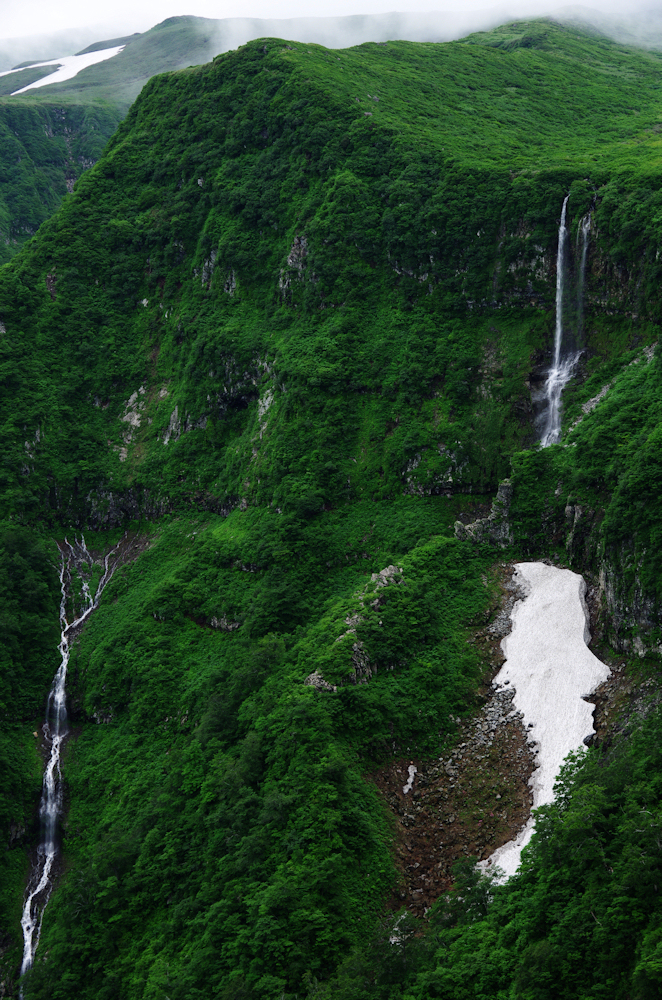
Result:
[{"x": 638, "y": 27}]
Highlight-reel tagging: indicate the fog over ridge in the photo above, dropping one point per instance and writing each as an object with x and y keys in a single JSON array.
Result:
[{"x": 642, "y": 27}]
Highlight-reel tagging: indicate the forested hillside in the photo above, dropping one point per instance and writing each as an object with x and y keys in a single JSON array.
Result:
[
  {"x": 291, "y": 328},
  {"x": 44, "y": 147}
]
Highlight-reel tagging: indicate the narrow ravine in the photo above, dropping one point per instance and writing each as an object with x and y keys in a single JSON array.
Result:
[
  {"x": 552, "y": 672},
  {"x": 55, "y": 728}
]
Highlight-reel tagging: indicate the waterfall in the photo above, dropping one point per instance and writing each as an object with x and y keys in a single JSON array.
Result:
[
  {"x": 583, "y": 230},
  {"x": 55, "y": 731},
  {"x": 563, "y": 364}
]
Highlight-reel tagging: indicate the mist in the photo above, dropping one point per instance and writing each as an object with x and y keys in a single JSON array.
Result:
[{"x": 641, "y": 26}]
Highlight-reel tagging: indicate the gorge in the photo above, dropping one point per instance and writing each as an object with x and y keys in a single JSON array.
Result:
[{"x": 310, "y": 311}]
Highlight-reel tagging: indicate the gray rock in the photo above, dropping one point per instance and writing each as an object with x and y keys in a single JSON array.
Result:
[{"x": 495, "y": 528}]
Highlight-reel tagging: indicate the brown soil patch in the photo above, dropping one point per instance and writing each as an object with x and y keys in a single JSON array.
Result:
[{"x": 475, "y": 796}]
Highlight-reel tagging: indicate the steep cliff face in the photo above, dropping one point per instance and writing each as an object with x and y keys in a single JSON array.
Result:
[
  {"x": 595, "y": 498},
  {"x": 277, "y": 230},
  {"x": 44, "y": 147},
  {"x": 290, "y": 329}
]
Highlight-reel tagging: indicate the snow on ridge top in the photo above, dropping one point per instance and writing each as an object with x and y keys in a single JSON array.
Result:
[
  {"x": 552, "y": 670},
  {"x": 68, "y": 67}
]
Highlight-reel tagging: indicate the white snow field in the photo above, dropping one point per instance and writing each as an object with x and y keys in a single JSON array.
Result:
[
  {"x": 69, "y": 67},
  {"x": 552, "y": 669}
]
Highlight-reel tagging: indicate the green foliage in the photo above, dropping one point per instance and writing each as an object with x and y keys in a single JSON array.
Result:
[
  {"x": 285, "y": 322},
  {"x": 221, "y": 824},
  {"x": 470, "y": 898},
  {"x": 574, "y": 922},
  {"x": 611, "y": 466},
  {"x": 580, "y": 919},
  {"x": 29, "y": 608},
  {"x": 28, "y": 659},
  {"x": 42, "y": 147},
  {"x": 255, "y": 240}
]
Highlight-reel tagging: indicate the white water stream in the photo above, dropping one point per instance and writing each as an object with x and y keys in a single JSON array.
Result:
[
  {"x": 55, "y": 731},
  {"x": 562, "y": 367},
  {"x": 583, "y": 232},
  {"x": 552, "y": 670}
]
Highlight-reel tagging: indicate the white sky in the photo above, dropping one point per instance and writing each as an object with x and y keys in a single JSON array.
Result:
[{"x": 32, "y": 17}]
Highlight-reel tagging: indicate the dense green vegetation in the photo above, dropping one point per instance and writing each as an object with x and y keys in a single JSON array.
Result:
[
  {"x": 44, "y": 148},
  {"x": 601, "y": 494},
  {"x": 199, "y": 209},
  {"x": 285, "y": 331},
  {"x": 580, "y": 919},
  {"x": 220, "y": 803},
  {"x": 28, "y": 659}
]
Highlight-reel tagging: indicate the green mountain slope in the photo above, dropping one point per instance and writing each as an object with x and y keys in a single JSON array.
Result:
[
  {"x": 174, "y": 43},
  {"x": 44, "y": 148},
  {"x": 285, "y": 332}
]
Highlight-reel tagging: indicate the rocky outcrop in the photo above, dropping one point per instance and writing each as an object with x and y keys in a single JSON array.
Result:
[
  {"x": 317, "y": 681},
  {"x": 223, "y": 624},
  {"x": 494, "y": 529}
]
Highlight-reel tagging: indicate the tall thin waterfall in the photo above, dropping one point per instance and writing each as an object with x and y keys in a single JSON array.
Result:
[
  {"x": 55, "y": 730},
  {"x": 583, "y": 231},
  {"x": 562, "y": 364}
]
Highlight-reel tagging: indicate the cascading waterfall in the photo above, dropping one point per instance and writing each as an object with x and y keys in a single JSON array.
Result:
[{"x": 55, "y": 730}]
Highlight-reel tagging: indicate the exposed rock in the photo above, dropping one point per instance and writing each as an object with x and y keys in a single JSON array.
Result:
[
  {"x": 174, "y": 428},
  {"x": 263, "y": 406},
  {"x": 132, "y": 416},
  {"x": 16, "y": 833},
  {"x": 386, "y": 576},
  {"x": 475, "y": 796},
  {"x": 495, "y": 528},
  {"x": 426, "y": 483},
  {"x": 471, "y": 800},
  {"x": 317, "y": 681},
  {"x": 296, "y": 261},
  {"x": 223, "y": 624},
  {"x": 230, "y": 284},
  {"x": 208, "y": 269},
  {"x": 363, "y": 670}
]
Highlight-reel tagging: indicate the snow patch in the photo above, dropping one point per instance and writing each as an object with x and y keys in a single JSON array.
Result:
[
  {"x": 406, "y": 789},
  {"x": 552, "y": 670},
  {"x": 69, "y": 67}
]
